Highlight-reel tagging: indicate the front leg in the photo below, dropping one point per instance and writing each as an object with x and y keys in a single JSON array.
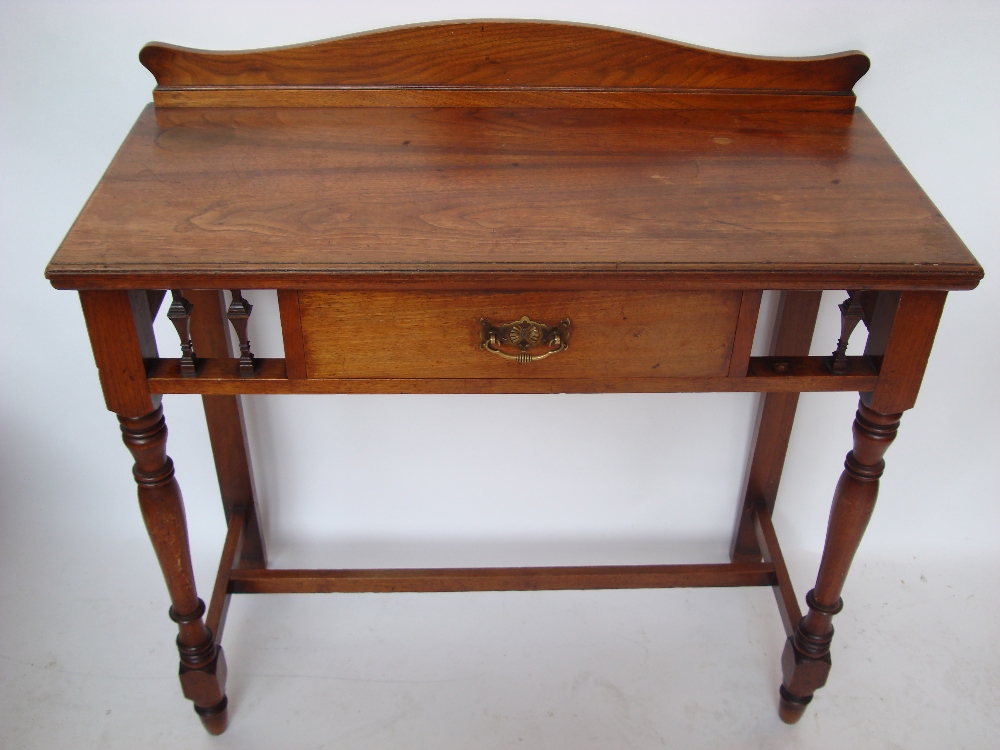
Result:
[
  {"x": 203, "y": 665},
  {"x": 805, "y": 662}
]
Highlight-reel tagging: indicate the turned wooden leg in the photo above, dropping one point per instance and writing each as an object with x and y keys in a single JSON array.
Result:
[
  {"x": 203, "y": 665},
  {"x": 805, "y": 662}
]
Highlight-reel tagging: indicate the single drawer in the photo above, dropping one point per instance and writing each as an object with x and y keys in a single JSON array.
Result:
[{"x": 394, "y": 334}]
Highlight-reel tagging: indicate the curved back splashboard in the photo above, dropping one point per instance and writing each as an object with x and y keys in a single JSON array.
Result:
[{"x": 500, "y": 63}]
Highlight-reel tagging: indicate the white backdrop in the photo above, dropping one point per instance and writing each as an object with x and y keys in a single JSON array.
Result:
[{"x": 394, "y": 480}]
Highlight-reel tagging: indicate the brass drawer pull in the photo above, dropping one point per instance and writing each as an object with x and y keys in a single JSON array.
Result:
[{"x": 524, "y": 334}]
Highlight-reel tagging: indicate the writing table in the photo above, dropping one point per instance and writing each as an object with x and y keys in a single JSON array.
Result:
[{"x": 506, "y": 207}]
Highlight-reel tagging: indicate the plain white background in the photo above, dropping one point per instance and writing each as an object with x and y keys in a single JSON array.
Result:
[{"x": 86, "y": 652}]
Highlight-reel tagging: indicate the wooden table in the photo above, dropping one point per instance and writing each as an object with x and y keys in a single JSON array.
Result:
[{"x": 506, "y": 207}]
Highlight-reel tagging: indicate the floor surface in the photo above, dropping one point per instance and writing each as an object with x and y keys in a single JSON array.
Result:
[{"x": 87, "y": 661}]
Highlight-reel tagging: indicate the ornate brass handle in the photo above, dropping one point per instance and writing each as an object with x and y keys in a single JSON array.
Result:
[{"x": 524, "y": 334}]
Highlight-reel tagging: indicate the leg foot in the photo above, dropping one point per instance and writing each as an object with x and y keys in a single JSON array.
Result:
[
  {"x": 791, "y": 707},
  {"x": 203, "y": 682},
  {"x": 214, "y": 718}
]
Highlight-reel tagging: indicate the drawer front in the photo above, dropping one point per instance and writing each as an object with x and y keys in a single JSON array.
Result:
[{"x": 377, "y": 334}]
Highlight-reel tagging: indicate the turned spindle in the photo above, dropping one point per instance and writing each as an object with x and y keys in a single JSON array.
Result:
[
  {"x": 851, "y": 313},
  {"x": 239, "y": 315},
  {"x": 202, "y": 663},
  {"x": 179, "y": 314},
  {"x": 806, "y": 660}
]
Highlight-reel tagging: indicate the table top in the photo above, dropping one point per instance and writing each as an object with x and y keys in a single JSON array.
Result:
[{"x": 284, "y": 197}]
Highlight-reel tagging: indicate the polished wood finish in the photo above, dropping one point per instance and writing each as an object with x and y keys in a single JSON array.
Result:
[
  {"x": 438, "y": 335},
  {"x": 218, "y": 607},
  {"x": 784, "y": 594},
  {"x": 541, "y": 98},
  {"x": 765, "y": 374},
  {"x": 291, "y": 333},
  {"x": 499, "y": 63},
  {"x": 121, "y": 335},
  {"x": 794, "y": 322},
  {"x": 746, "y": 326},
  {"x": 155, "y": 298},
  {"x": 500, "y": 579},
  {"x": 806, "y": 658},
  {"x": 239, "y": 315},
  {"x": 776, "y": 374},
  {"x": 397, "y": 188},
  {"x": 459, "y": 199},
  {"x": 226, "y": 427},
  {"x": 203, "y": 665},
  {"x": 851, "y": 313},
  {"x": 180, "y": 315},
  {"x": 903, "y": 328}
]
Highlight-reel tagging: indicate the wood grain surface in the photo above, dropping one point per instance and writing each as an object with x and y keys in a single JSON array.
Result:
[
  {"x": 567, "y": 98},
  {"x": 395, "y": 580},
  {"x": 797, "y": 374},
  {"x": 313, "y": 198},
  {"x": 438, "y": 335},
  {"x": 399, "y": 186},
  {"x": 226, "y": 427},
  {"x": 900, "y": 340},
  {"x": 791, "y": 337},
  {"x": 746, "y": 327},
  {"x": 498, "y": 63},
  {"x": 121, "y": 338}
]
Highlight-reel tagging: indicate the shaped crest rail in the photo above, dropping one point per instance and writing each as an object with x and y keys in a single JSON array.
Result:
[{"x": 500, "y": 63}]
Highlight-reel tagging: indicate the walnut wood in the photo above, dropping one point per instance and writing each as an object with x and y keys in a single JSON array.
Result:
[
  {"x": 438, "y": 335},
  {"x": 678, "y": 279},
  {"x": 746, "y": 326},
  {"x": 220, "y": 376},
  {"x": 792, "y": 335},
  {"x": 900, "y": 340},
  {"x": 291, "y": 333},
  {"x": 202, "y": 669},
  {"x": 869, "y": 299},
  {"x": 540, "y": 98},
  {"x": 395, "y": 187},
  {"x": 155, "y": 297},
  {"x": 851, "y": 313},
  {"x": 881, "y": 321},
  {"x": 776, "y": 368},
  {"x": 901, "y": 333},
  {"x": 474, "y": 63},
  {"x": 806, "y": 659},
  {"x": 180, "y": 315},
  {"x": 500, "y": 579},
  {"x": 784, "y": 593},
  {"x": 489, "y": 199},
  {"x": 218, "y": 607},
  {"x": 121, "y": 335},
  {"x": 226, "y": 427},
  {"x": 239, "y": 315}
]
